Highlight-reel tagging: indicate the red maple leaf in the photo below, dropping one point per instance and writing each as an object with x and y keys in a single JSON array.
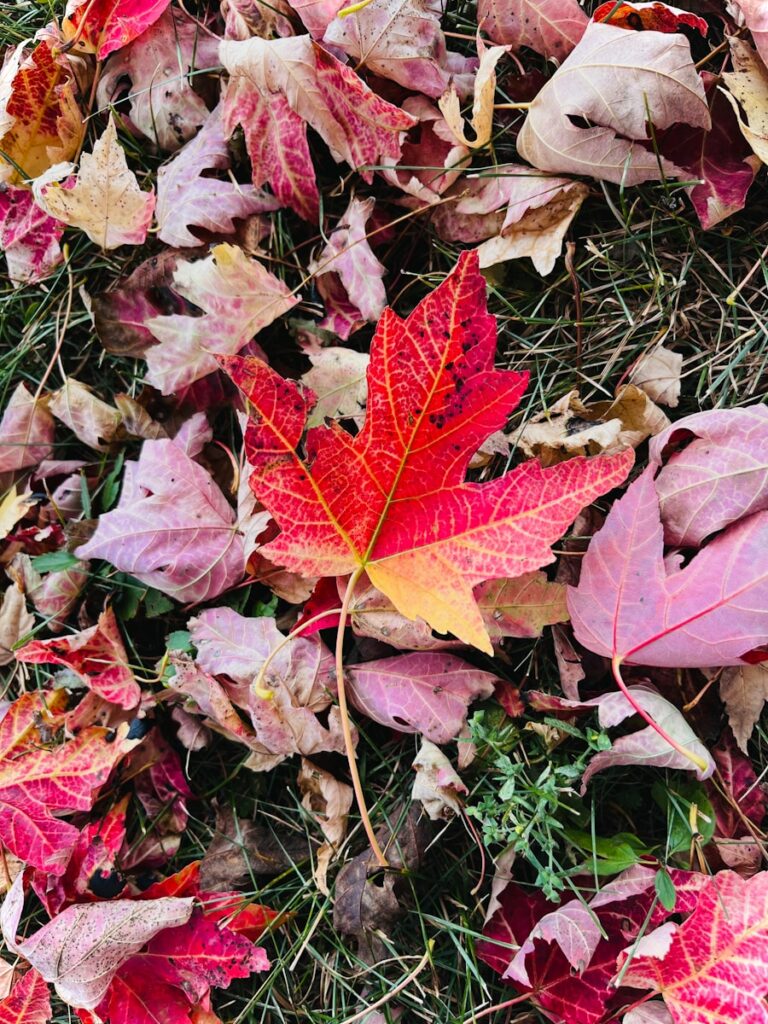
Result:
[
  {"x": 393, "y": 500},
  {"x": 28, "y": 1003}
]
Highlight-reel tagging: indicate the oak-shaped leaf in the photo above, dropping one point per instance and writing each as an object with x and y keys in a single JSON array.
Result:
[
  {"x": 37, "y": 783},
  {"x": 28, "y": 1002},
  {"x": 633, "y": 607},
  {"x": 187, "y": 197},
  {"x": 393, "y": 500},
  {"x": 714, "y": 472},
  {"x": 716, "y": 966},
  {"x": 104, "y": 200},
  {"x": 96, "y": 655},
  {"x": 616, "y": 81},
  {"x": 172, "y": 528}
]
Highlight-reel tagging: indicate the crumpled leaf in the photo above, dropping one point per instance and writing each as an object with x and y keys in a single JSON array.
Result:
[
  {"x": 744, "y": 691},
  {"x": 103, "y": 26},
  {"x": 429, "y": 146},
  {"x": 41, "y": 123},
  {"x": 242, "y": 848},
  {"x": 482, "y": 104},
  {"x": 239, "y": 298},
  {"x": 28, "y": 237},
  {"x": 724, "y": 977},
  {"x": 15, "y": 621},
  {"x": 92, "y": 421},
  {"x": 370, "y": 501},
  {"x": 658, "y": 375},
  {"x": 748, "y": 88},
  {"x": 514, "y": 212},
  {"x": 614, "y": 79},
  {"x": 756, "y": 18},
  {"x": 277, "y": 88},
  {"x": 157, "y": 70},
  {"x": 551, "y": 27},
  {"x": 648, "y": 17},
  {"x": 35, "y": 782},
  {"x": 630, "y": 606},
  {"x": 717, "y": 472},
  {"x": 721, "y": 158},
  {"x": 104, "y": 201},
  {"x": 402, "y": 40},
  {"x": 55, "y": 594},
  {"x": 97, "y": 657},
  {"x": 338, "y": 378},
  {"x": 80, "y": 949},
  {"x": 368, "y": 902},
  {"x": 172, "y": 528},
  {"x": 426, "y": 693},
  {"x": 26, "y": 434},
  {"x": 328, "y": 801},
  {"x": 316, "y": 15},
  {"x": 187, "y": 197},
  {"x": 437, "y": 785},
  {"x": 739, "y": 804},
  {"x": 28, "y": 1003},
  {"x": 348, "y": 256}
]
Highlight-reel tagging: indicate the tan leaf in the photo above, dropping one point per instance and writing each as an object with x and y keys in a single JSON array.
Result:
[
  {"x": 328, "y": 801},
  {"x": 482, "y": 105},
  {"x": 12, "y": 507},
  {"x": 92, "y": 421},
  {"x": 105, "y": 201},
  {"x": 748, "y": 84},
  {"x": 15, "y": 622},
  {"x": 437, "y": 785},
  {"x": 615, "y": 80},
  {"x": 658, "y": 375},
  {"x": 744, "y": 690}
]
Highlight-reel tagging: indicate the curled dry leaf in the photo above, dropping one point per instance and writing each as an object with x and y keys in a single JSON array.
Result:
[
  {"x": 239, "y": 298},
  {"x": 104, "y": 200},
  {"x": 748, "y": 88},
  {"x": 755, "y": 15},
  {"x": 15, "y": 621},
  {"x": 551, "y": 27},
  {"x": 242, "y": 848},
  {"x": 92, "y": 421},
  {"x": 482, "y": 104},
  {"x": 658, "y": 375},
  {"x": 716, "y": 474},
  {"x": 432, "y": 160},
  {"x": 437, "y": 785},
  {"x": 187, "y": 197},
  {"x": 28, "y": 237},
  {"x": 744, "y": 691},
  {"x": 615, "y": 80},
  {"x": 328, "y": 801}
]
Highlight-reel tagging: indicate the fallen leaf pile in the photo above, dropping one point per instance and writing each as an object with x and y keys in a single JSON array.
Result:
[{"x": 321, "y": 450}]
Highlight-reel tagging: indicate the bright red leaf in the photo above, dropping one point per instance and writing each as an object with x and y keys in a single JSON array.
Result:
[
  {"x": 28, "y": 1003},
  {"x": 393, "y": 499},
  {"x": 102, "y": 26}
]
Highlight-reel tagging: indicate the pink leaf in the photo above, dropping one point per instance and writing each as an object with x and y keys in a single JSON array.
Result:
[
  {"x": 629, "y": 606},
  {"x": 172, "y": 528},
  {"x": 26, "y": 434},
  {"x": 551, "y": 27},
  {"x": 421, "y": 692},
  {"x": 28, "y": 1002},
  {"x": 28, "y": 237}
]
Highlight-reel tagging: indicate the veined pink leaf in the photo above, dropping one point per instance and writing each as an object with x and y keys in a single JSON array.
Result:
[
  {"x": 630, "y": 606},
  {"x": 551, "y": 27},
  {"x": 26, "y": 434},
  {"x": 28, "y": 1003},
  {"x": 28, "y": 237},
  {"x": 756, "y": 16}
]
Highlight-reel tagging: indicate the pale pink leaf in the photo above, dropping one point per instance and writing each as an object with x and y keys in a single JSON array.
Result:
[
  {"x": 338, "y": 379},
  {"x": 628, "y": 605},
  {"x": 187, "y": 197},
  {"x": 755, "y": 15},
  {"x": 28, "y": 237},
  {"x": 433, "y": 146},
  {"x": 437, "y": 784},
  {"x": 26, "y": 433},
  {"x": 551, "y": 27},
  {"x": 316, "y": 15},
  {"x": 425, "y": 693},
  {"x": 574, "y": 928},
  {"x": 718, "y": 475}
]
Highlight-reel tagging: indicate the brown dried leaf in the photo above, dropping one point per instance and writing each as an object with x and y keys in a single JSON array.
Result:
[
  {"x": 658, "y": 375},
  {"x": 242, "y": 849},
  {"x": 744, "y": 690}
]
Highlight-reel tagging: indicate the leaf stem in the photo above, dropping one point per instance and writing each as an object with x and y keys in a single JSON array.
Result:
[
  {"x": 349, "y": 745},
  {"x": 258, "y": 683},
  {"x": 700, "y": 763},
  {"x": 512, "y": 106}
]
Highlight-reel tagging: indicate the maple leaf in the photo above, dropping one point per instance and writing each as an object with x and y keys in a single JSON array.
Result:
[
  {"x": 402, "y": 40},
  {"x": 551, "y": 27},
  {"x": 348, "y": 256},
  {"x": 721, "y": 159},
  {"x": 617, "y": 81},
  {"x": 316, "y": 15},
  {"x": 41, "y": 123},
  {"x": 36, "y": 782},
  {"x": 631, "y": 607},
  {"x": 102, "y": 26},
  {"x": 96, "y": 655},
  {"x": 239, "y": 298},
  {"x": 28, "y": 1003},
  {"x": 715, "y": 473},
  {"x": 716, "y": 966},
  {"x": 421, "y": 692},
  {"x": 172, "y": 528},
  {"x": 188, "y": 198},
  {"x": 104, "y": 201},
  {"x": 277, "y": 87},
  {"x": 28, "y": 237},
  {"x": 157, "y": 71},
  {"x": 393, "y": 500},
  {"x": 26, "y": 433}
]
